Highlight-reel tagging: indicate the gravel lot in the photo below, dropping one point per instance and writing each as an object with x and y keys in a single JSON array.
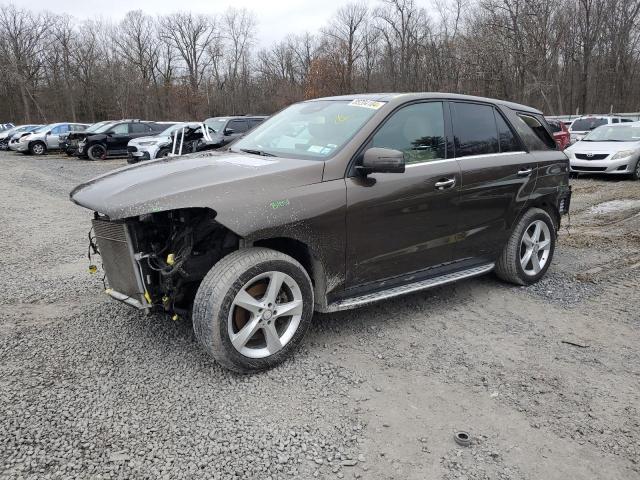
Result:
[{"x": 91, "y": 389}]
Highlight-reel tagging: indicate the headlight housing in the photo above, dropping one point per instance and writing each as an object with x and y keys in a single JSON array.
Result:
[
  {"x": 148, "y": 143},
  {"x": 623, "y": 154}
]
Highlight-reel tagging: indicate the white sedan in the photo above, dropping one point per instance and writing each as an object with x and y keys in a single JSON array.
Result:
[{"x": 610, "y": 149}]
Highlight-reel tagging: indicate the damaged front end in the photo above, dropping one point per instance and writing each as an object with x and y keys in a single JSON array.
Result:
[{"x": 157, "y": 260}]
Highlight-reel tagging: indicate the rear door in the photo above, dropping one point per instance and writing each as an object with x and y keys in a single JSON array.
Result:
[
  {"x": 498, "y": 176},
  {"x": 401, "y": 224}
]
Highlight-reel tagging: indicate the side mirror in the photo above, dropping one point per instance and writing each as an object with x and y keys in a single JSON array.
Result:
[
  {"x": 228, "y": 131},
  {"x": 382, "y": 160}
]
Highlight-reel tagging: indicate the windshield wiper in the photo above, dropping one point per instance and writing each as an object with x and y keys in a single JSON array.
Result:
[{"x": 257, "y": 152}]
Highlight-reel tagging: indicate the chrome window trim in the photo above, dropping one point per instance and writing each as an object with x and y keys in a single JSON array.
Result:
[{"x": 484, "y": 155}]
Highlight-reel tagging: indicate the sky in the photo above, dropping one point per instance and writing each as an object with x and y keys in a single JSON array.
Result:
[{"x": 276, "y": 18}]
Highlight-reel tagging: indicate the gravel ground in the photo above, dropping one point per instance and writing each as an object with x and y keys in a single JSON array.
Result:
[{"x": 545, "y": 378}]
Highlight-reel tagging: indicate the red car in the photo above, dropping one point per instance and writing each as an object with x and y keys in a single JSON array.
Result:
[{"x": 560, "y": 133}]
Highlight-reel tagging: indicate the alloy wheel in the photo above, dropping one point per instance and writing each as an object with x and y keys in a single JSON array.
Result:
[
  {"x": 535, "y": 247},
  {"x": 265, "y": 314},
  {"x": 38, "y": 149}
]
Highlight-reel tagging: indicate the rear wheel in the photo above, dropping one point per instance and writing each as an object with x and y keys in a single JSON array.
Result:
[
  {"x": 97, "y": 152},
  {"x": 252, "y": 309},
  {"x": 38, "y": 148},
  {"x": 529, "y": 251}
]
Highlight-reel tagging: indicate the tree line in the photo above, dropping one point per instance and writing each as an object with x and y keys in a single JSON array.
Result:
[{"x": 560, "y": 56}]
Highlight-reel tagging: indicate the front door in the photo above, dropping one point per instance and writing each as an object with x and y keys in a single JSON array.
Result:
[
  {"x": 234, "y": 129},
  {"x": 118, "y": 139},
  {"x": 404, "y": 223}
]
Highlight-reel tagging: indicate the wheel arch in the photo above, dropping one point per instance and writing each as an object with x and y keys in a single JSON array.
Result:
[{"x": 304, "y": 254}]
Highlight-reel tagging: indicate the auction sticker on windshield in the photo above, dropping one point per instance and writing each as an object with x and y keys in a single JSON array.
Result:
[{"x": 366, "y": 104}]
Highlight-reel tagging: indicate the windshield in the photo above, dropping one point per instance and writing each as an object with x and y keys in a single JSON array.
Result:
[
  {"x": 168, "y": 131},
  {"x": 96, "y": 126},
  {"x": 103, "y": 128},
  {"x": 216, "y": 124},
  {"x": 628, "y": 133},
  {"x": 313, "y": 130},
  {"x": 43, "y": 128},
  {"x": 582, "y": 124}
]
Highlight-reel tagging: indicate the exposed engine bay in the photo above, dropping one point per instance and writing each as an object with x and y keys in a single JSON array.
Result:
[{"x": 158, "y": 260}]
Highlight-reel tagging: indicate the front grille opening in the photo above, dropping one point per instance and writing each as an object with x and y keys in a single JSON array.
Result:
[
  {"x": 622, "y": 168},
  {"x": 588, "y": 169},
  {"x": 592, "y": 156}
]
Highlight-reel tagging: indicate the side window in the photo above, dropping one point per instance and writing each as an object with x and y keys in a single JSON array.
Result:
[
  {"x": 60, "y": 129},
  {"x": 474, "y": 129},
  {"x": 615, "y": 120},
  {"x": 547, "y": 141},
  {"x": 238, "y": 126},
  {"x": 138, "y": 128},
  {"x": 254, "y": 121},
  {"x": 625, "y": 120},
  {"x": 417, "y": 130},
  {"x": 121, "y": 129},
  {"x": 508, "y": 140}
]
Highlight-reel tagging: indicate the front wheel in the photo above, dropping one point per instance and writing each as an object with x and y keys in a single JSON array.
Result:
[
  {"x": 163, "y": 152},
  {"x": 97, "y": 152},
  {"x": 252, "y": 309},
  {"x": 636, "y": 171},
  {"x": 37, "y": 148},
  {"x": 528, "y": 253}
]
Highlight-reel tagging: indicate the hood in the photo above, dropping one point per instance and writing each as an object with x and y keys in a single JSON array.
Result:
[
  {"x": 158, "y": 138},
  {"x": 229, "y": 183},
  {"x": 602, "y": 147}
]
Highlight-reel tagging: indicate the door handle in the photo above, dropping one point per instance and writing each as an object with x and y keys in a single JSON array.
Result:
[
  {"x": 525, "y": 172},
  {"x": 446, "y": 183}
]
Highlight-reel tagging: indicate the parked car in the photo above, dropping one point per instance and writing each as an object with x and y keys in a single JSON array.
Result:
[
  {"x": 45, "y": 138},
  {"x": 5, "y": 136},
  {"x": 228, "y": 129},
  {"x": 583, "y": 125},
  {"x": 156, "y": 146},
  {"x": 111, "y": 140},
  {"x": 69, "y": 141},
  {"x": 610, "y": 149},
  {"x": 328, "y": 205},
  {"x": 6, "y": 126},
  {"x": 560, "y": 133}
]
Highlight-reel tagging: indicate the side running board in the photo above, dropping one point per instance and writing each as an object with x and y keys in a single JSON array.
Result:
[{"x": 354, "y": 302}]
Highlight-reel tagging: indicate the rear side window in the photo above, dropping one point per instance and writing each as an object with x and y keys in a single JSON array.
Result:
[
  {"x": 508, "y": 140},
  {"x": 474, "y": 129},
  {"x": 540, "y": 131},
  {"x": 255, "y": 121},
  {"x": 625, "y": 120},
  {"x": 139, "y": 128},
  {"x": 238, "y": 126}
]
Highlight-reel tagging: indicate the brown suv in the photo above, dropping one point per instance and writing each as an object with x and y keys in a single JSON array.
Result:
[{"x": 328, "y": 205}]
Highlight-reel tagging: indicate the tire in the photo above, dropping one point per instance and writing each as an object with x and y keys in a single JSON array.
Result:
[
  {"x": 636, "y": 171},
  {"x": 38, "y": 148},
  {"x": 163, "y": 152},
  {"x": 217, "y": 317},
  {"x": 510, "y": 266},
  {"x": 97, "y": 152}
]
